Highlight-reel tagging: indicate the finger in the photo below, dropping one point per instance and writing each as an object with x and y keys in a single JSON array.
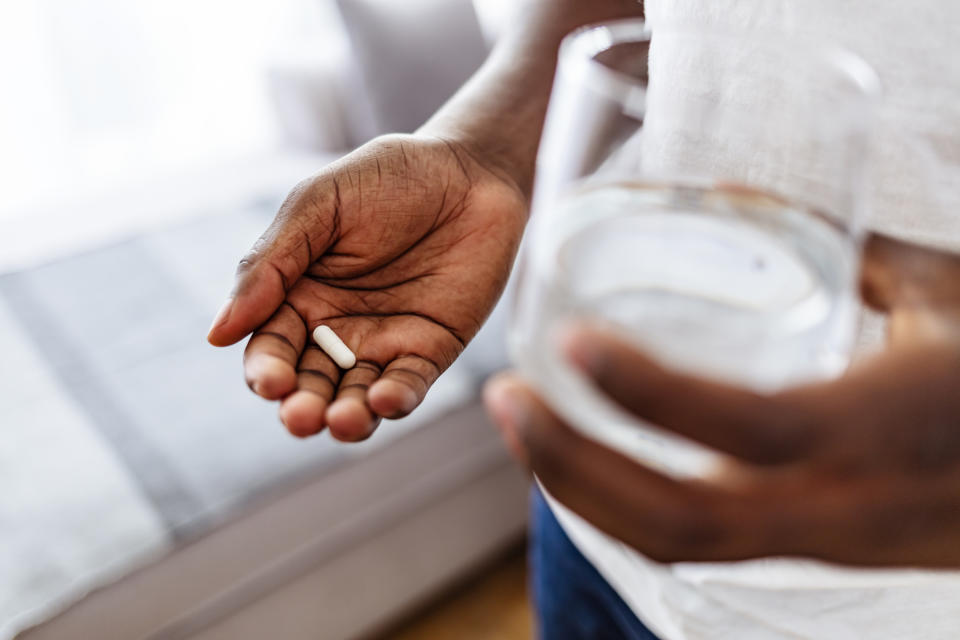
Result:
[
  {"x": 350, "y": 418},
  {"x": 301, "y": 413},
  {"x": 882, "y": 520},
  {"x": 896, "y": 273},
  {"x": 760, "y": 429},
  {"x": 667, "y": 519},
  {"x": 278, "y": 258},
  {"x": 271, "y": 356},
  {"x": 403, "y": 386},
  {"x": 317, "y": 378}
]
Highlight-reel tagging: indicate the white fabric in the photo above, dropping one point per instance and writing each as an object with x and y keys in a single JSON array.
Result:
[{"x": 915, "y": 194}]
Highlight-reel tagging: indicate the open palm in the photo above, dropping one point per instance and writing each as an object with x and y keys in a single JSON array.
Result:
[{"x": 402, "y": 248}]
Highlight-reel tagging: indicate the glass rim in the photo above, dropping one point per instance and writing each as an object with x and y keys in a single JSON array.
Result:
[{"x": 584, "y": 43}]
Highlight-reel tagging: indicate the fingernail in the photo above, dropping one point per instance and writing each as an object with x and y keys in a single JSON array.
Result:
[
  {"x": 392, "y": 389},
  {"x": 222, "y": 315},
  {"x": 505, "y": 403},
  {"x": 409, "y": 399},
  {"x": 349, "y": 420},
  {"x": 579, "y": 349},
  {"x": 265, "y": 373},
  {"x": 509, "y": 413}
]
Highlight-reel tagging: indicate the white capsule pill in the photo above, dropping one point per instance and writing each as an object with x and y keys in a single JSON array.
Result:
[{"x": 334, "y": 347}]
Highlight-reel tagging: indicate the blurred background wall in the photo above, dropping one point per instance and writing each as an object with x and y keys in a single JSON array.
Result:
[{"x": 183, "y": 104}]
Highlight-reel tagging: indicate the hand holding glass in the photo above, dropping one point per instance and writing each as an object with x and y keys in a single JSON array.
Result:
[{"x": 700, "y": 194}]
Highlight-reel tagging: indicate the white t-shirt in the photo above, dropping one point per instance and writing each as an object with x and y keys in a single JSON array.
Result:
[{"x": 915, "y": 194}]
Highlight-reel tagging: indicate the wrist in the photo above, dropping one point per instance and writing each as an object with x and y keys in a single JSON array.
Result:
[
  {"x": 542, "y": 24},
  {"x": 498, "y": 115},
  {"x": 488, "y": 150}
]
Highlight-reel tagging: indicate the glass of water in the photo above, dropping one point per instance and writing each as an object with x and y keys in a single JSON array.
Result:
[{"x": 701, "y": 195}]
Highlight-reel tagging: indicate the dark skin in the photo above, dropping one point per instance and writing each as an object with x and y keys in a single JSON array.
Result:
[
  {"x": 402, "y": 247},
  {"x": 863, "y": 470}
]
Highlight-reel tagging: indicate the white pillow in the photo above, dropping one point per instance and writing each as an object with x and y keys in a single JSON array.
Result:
[{"x": 412, "y": 55}]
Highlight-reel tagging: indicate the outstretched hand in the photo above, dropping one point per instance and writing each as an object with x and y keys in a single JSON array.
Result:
[
  {"x": 863, "y": 470},
  {"x": 402, "y": 248}
]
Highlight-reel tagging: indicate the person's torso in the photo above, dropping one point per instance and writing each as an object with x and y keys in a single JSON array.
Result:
[{"x": 914, "y": 194}]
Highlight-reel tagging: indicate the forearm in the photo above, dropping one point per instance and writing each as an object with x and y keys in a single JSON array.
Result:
[{"x": 500, "y": 111}]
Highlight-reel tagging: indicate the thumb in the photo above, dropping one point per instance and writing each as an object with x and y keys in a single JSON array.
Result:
[
  {"x": 281, "y": 255},
  {"x": 897, "y": 274},
  {"x": 261, "y": 286}
]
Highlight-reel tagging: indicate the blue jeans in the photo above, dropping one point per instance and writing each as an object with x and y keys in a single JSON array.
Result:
[{"x": 571, "y": 598}]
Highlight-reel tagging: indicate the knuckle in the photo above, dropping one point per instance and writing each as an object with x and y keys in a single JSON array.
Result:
[
  {"x": 390, "y": 142},
  {"x": 296, "y": 195},
  {"x": 304, "y": 185},
  {"x": 663, "y": 553},
  {"x": 770, "y": 449},
  {"x": 695, "y": 532},
  {"x": 688, "y": 534},
  {"x": 246, "y": 264},
  {"x": 789, "y": 432},
  {"x": 252, "y": 257},
  {"x": 389, "y": 149},
  {"x": 542, "y": 454},
  {"x": 294, "y": 201},
  {"x": 410, "y": 378},
  {"x": 663, "y": 547},
  {"x": 551, "y": 466},
  {"x": 545, "y": 442}
]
